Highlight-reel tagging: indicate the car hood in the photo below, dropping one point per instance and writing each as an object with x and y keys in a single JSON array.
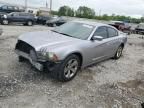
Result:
[{"x": 47, "y": 39}]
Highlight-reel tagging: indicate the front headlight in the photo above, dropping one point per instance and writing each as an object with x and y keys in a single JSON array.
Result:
[
  {"x": 47, "y": 55},
  {"x": 5, "y": 16}
]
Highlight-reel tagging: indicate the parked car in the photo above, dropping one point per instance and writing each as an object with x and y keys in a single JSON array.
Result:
[
  {"x": 133, "y": 28},
  {"x": 18, "y": 17},
  {"x": 140, "y": 29},
  {"x": 56, "y": 21},
  {"x": 9, "y": 9},
  {"x": 74, "y": 45},
  {"x": 122, "y": 26},
  {"x": 1, "y": 31},
  {"x": 43, "y": 19}
]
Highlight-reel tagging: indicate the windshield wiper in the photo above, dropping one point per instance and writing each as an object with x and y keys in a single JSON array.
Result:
[
  {"x": 62, "y": 33},
  {"x": 66, "y": 34},
  {"x": 55, "y": 31}
]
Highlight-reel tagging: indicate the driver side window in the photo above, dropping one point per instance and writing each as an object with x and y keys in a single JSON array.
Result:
[{"x": 101, "y": 31}]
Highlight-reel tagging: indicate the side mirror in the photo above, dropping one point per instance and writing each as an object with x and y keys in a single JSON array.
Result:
[{"x": 99, "y": 38}]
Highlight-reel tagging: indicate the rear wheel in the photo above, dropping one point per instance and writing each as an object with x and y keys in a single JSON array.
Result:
[
  {"x": 119, "y": 52},
  {"x": 29, "y": 23}
]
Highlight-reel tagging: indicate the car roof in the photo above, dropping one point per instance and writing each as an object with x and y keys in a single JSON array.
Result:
[
  {"x": 23, "y": 13},
  {"x": 93, "y": 23}
]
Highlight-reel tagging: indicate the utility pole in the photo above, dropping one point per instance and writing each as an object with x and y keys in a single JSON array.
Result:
[
  {"x": 50, "y": 6},
  {"x": 46, "y": 4},
  {"x": 26, "y": 5}
]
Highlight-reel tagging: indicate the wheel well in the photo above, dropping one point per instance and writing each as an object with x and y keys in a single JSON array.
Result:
[
  {"x": 122, "y": 44},
  {"x": 80, "y": 56}
]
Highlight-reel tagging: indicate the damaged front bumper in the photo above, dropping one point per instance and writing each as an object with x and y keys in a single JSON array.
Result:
[{"x": 39, "y": 64}]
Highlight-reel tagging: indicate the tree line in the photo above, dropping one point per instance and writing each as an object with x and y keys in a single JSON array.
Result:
[{"x": 86, "y": 12}]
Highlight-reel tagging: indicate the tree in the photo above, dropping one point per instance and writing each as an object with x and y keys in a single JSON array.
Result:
[
  {"x": 85, "y": 12},
  {"x": 54, "y": 12},
  {"x": 65, "y": 11}
]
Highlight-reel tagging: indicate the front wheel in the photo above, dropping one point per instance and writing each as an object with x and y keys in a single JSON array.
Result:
[
  {"x": 5, "y": 22},
  {"x": 119, "y": 52},
  {"x": 69, "y": 68}
]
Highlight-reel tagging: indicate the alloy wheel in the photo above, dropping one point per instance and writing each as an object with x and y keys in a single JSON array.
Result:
[
  {"x": 119, "y": 52},
  {"x": 5, "y": 22},
  {"x": 71, "y": 68}
]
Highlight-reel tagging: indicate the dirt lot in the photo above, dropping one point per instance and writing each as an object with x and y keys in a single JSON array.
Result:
[{"x": 109, "y": 84}]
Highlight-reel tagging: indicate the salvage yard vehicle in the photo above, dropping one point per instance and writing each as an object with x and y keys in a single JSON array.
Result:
[
  {"x": 56, "y": 21},
  {"x": 43, "y": 19},
  {"x": 10, "y": 8},
  {"x": 18, "y": 17},
  {"x": 70, "y": 47},
  {"x": 122, "y": 26},
  {"x": 140, "y": 29}
]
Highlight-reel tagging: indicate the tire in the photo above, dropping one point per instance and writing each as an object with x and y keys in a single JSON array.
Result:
[
  {"x": 66, "y": 71},
  {"x": 5, "y": 22},
  {"x": 29, "y": 23},
  {"x": 118, "y": 52}
]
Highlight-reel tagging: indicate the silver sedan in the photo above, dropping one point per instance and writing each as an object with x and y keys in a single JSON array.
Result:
[{"x": 70, "y": 47}]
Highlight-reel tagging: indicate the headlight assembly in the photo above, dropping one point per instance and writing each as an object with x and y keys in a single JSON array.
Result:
[
  {"x": 5, "y": 16},
  {"x": 43, "y": 54}
]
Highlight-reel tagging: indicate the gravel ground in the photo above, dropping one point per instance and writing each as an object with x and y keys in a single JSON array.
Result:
[{"x": 109, "y": 84}]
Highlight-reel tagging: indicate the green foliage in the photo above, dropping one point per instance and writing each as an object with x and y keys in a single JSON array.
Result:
[
  {"x": 65, "y": 11},
  {"x": 54, "y": 12},
  {"x": 85, "y": 12},
  {"x": 112, "y": 17}
]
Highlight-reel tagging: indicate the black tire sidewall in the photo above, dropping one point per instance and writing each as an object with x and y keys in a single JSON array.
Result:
[
  {"x": 61, "y": 75},
  {"x": 116, "y": 57}
]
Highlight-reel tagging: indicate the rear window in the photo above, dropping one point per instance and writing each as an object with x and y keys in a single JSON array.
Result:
[{"x": 112, "y": 32}]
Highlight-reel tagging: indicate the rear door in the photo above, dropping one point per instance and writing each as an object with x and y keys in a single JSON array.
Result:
[
  {"x": 113, "y": 40},
  {"x": 100, "y": 50}
]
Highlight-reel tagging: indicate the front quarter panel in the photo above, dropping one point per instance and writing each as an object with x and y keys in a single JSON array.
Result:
[{"x": 64, "y": 50}]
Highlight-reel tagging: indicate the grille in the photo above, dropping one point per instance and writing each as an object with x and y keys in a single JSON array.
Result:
[{"x": 24, "y": 47}]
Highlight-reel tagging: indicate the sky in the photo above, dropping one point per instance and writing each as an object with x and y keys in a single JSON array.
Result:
[{"x": 134, "y": 8}]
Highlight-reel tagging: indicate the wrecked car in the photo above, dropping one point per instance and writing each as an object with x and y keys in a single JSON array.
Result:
[{"x": 70, "y": 47}]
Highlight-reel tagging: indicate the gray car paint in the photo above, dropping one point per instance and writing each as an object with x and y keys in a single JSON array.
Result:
[{"x": 62, "y": 46}]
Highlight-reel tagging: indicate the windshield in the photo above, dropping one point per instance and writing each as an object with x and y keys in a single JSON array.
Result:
[{"x": 75, "y": 29}]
